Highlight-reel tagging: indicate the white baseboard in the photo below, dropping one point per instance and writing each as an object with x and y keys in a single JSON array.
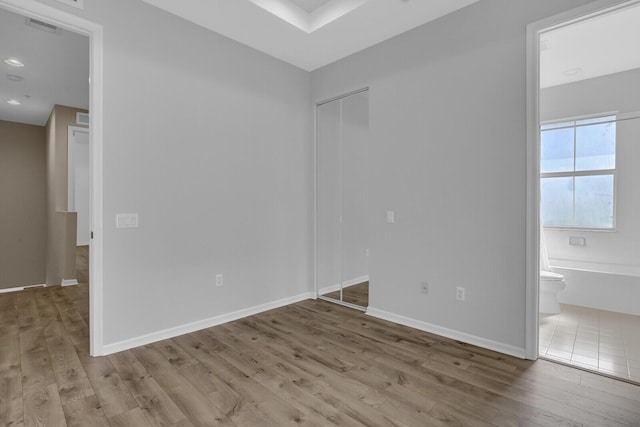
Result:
[
  {"x": 345, "y": 284},
  {"x": 20, "y": 288},
  {"x": 68, "y": 282},
  {"x": 449, "y": 333},
  {"x": 201, "y": 324}
]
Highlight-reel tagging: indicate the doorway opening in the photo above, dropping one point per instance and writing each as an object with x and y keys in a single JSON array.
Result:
[
  {"x": 50, "y": 19},
  {"x": 341, "y": 187},
  {"x": 584, "y": 120}
]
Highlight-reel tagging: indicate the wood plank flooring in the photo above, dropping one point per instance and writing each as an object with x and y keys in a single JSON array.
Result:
[{"x": 311, "y": 363}]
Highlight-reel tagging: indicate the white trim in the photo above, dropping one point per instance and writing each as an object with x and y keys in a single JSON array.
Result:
[
  {"x": 343, "y": 303},
  {"x": 69, "y": 282},
  {"x": 71, "y": 171},
  {"x": 533, "y": 156},
  {"x": 448, "y": 333},
  {"x": 20, "y": 288},
  {"x": 68, "y": 21},
  {"x": 345, "y": 284},
  {"x": 82, "y": 119},
  {"x": 201, "y": 324},
  {"x": 75, "y": 3}
]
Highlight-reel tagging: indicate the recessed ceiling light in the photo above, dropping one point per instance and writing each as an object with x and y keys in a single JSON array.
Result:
[
  {"x": 572, "y": 72},
  {"x": 13, "y": 101},
  {"x": 13, "y": 62},
  {"x": 14, "y": 78}
]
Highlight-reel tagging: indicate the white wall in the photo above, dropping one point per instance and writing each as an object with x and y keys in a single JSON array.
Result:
[
  {"x": 209, "y": 141},
  {"x": 448, "y": 154},
  {"x": 604, "y": 251}
]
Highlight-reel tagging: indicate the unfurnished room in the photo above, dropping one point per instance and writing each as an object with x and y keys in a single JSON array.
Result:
[{"x": 319, "y": 212}]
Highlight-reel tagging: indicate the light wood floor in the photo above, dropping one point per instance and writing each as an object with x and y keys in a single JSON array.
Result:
[
  {"x": 356, "y": 294},
  {"x": 312, "y": 363}
]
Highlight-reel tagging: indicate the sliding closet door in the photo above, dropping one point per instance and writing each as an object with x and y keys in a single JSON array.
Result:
[
  {"x": 328, "y": 191},
  {"x": 342, "y": 163},
  {"x": 355, "y": 223}
]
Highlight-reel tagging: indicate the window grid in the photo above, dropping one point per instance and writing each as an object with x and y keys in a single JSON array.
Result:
[{"x": 575, "y": 124}]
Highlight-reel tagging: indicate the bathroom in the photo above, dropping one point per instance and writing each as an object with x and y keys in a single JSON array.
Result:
[{"x": 590, "y": 194}]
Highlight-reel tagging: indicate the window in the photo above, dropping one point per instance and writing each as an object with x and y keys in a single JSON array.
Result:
[{"x": 577, "y": 173}]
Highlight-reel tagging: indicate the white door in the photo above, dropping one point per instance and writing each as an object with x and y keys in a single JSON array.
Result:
[{"x": 78, "y": 194}]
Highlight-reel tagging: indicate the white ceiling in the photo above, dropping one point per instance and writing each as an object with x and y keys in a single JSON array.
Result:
[
  {"x": 596, "y": 47},
  {"x": 332, "y": 30},
  {"x": 310, "y": 5},
  {"x": 57, "y": 65},
  {"x": 56, "y": 70}
]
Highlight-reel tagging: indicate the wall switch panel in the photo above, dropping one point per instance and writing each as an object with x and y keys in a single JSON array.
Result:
[
  {"x": 391, "y": 217},
  {"x": 577, "y": 241},
  {"x": 129, "y": 220},
  {"x": 460, "y": 293},
  {"x": 219, "y": 280}
]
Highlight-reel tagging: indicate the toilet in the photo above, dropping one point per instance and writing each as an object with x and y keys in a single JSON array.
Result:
[{"x": 550, "y": 285}]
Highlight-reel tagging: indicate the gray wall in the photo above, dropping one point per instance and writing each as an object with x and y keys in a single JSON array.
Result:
[
  {"x": 448, "y": 154},
  {"x": 23, "y": 234},
  {"x": 209, "y": 141}
]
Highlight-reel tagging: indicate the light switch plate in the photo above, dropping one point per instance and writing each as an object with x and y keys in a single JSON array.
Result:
[
  {"x": 127, "y": 220},
  {"x": 391, "y": 217},
  {"x": 577, "y": 241}
]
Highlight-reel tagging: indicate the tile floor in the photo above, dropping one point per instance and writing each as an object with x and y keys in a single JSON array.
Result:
[{"x": 598, "y": 340}]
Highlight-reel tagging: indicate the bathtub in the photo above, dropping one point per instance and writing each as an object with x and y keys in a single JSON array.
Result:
[{"x": 601, "y": 286}]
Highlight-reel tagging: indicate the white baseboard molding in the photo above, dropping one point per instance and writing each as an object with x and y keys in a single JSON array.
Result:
[
  {"x": 345, "y": 284},
  {"x": 201, "y": 324},
  {"x": 69, "y": 282},
  {"x": 20, "y": 288},
  {"x": 448, "y": 333}
]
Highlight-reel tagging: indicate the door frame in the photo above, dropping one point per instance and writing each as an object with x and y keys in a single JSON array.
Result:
[
  {"x": 534, "y": 30},
  {"x": 79, "y": 25}
]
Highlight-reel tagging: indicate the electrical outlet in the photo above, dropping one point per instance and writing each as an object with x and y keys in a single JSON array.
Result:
[
  {"x": 424, "y": 287},
  {"x": 460, "y": 293},
  {"x": 219, "y": 280},
  {"x": 366, "y": 252}
]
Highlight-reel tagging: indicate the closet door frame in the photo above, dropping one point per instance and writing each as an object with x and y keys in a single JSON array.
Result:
[{"x": 315, "y": 200}]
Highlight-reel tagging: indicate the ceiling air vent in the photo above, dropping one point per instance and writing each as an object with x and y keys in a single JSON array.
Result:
[
  {"x": 75, "y": 3},
  {"x": 82, "y": 119},
  {"x": 40, "y": 25}
]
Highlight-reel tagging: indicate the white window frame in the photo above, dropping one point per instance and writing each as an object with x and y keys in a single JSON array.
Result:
[{"x": 574, "y": 173}]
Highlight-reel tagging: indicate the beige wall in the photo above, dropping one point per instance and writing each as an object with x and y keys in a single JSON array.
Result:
[
  {"x": 22, "y": 205},
  {"x": 60, "y": 223}
]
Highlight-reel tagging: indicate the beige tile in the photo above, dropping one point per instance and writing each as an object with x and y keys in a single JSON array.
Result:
[
  {"x": 584, "y": 360},
  {"x": 582, "y": 347},
  {"x": 634, "y": 363},
  {"x": 618, "y": 360},
  {"x": 613, "y": 367},
  {"x": 612, "y": 350},
  {"x": 558, "y": 358},
  {"x": 593, "y": 339},
  {"x": 559, "y": 354},
  {"x": 611, "y": 340},
  {"x": 561, "y": 346}
]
